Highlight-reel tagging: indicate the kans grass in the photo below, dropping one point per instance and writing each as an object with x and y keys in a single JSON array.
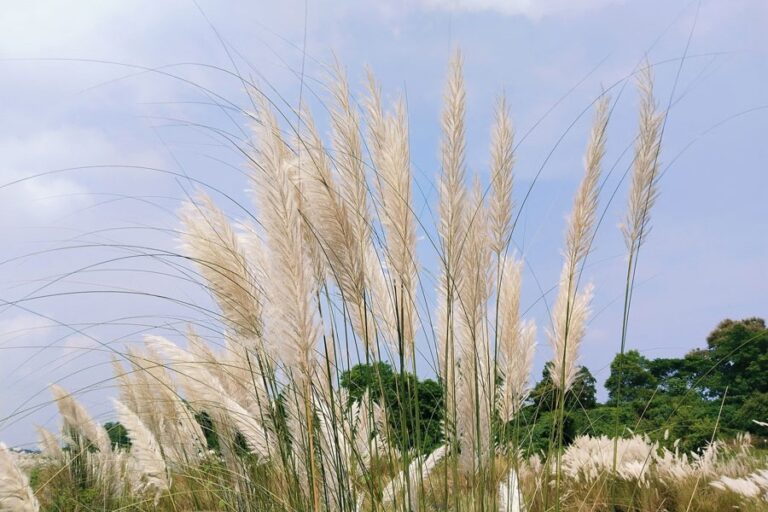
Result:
[{"x": 326, "y": 274}]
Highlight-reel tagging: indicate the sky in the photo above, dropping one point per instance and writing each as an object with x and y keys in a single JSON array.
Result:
[{"x": 123, "y": 108}]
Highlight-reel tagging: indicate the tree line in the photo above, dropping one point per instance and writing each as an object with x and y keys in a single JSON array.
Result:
[{"x": 715, "y": 391}]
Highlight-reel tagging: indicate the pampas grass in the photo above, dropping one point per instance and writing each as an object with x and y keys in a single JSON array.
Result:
[
  {"x": 392, "y": 164},
  {"x": 645, "y": 172},
  {"x": 78, "y": 424},
  {"x": 211, "y": 241},
  {"x": 15, "y": 493},
  {"x": 49, "y": 444},
  {"x": 502, "y": 162},
  {"x": 326, "y": 275},
  {"x": 291, "y": 316},
  {"x": 452, "y": 206},
  {"x": 571, "y": 308},
  {"x": 145, "y": 452}
]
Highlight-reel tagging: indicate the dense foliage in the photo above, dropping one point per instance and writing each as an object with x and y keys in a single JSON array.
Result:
[
  {"x": 718, "y": 390},
  {"x": 416, "y": 406}
]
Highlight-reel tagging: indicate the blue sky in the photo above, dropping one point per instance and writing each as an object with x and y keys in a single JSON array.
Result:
[{"x": 105, "y": 87}]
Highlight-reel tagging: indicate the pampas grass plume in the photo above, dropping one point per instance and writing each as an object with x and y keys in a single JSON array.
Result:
[
  {"x": 145, "y": 451},
  {"x": 15, "y": 493}
]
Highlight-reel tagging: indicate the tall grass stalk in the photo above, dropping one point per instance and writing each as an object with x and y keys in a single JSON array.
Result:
[{"x": 265, "y": 414}]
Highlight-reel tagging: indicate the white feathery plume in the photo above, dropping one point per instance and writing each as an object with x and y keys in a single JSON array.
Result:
[
  {"x": 502, "y": 161},
  {"x": 252, "y": 247},
  {"x": 566, "y": 335},
  {"x": 382, "y": 314},
  {"x": 589, "y": 458},
  {"x": 571, "y": 307},
  {"x": 445, "y": 347},
  {"x": 515, "y": 347},
  {"x": 49, "y": 444},
  {"x": 212, "y": 243},
  {"x": 242, "y": 377},
  {"x": 347, "y": 145},
  {"x": 391, "y": 159},
  {"x": 239, "y": 372},
  {"x": 126, "y": 386},
  {"x": 174, "y": 426},
  {"x": 510, "y": 497},
  {"x": 645, "y": 173},
  {"x": 742, "y": 486},
  {"x": 352, "y": 261},
  {"x": 337, "y": 450},
  {"x": 137, "y": 388},
  {"x": 207, "y": 393},
  {"x": 417, "y": 474},
  {"x": 452, "y": 149},
  {"x": 452, "y": 205},
  {"x": 204, "y": 355},
  {"x": 325, "y": 212},
  {"x": 15, "y": 493},
  {"x": 306, "y": 154},
  {"x": 114, "y": 472},
  {"x": 291, "y": 316},
  {"x": 508, "y": 324},
  {"x": 751, "y": 486},
  {"x": 145, "y": 451},
  {"x": 340, "y": 216},
  {"x": 376, "y": 122},
  {"x": 516, "y": 351},
  {"x": 162, "y": 385},
  {"x": 366, "y": 424},
  {"x": 330, "y": 218},
  {"x": 76, "y": 418},
  {"x": 475, "y": 383}
]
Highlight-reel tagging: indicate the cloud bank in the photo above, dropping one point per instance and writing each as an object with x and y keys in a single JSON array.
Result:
[{"x": 533, "y": 9}]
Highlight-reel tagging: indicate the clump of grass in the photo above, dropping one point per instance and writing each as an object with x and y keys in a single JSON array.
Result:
[{"x": 330, "y": 269}]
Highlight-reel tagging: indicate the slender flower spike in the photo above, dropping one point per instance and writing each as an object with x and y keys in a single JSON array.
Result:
[
  {"x": 571, "y": 308},
  {"x": 452, "y": 186},
  {"x": 77, "y": 419},
  {"x": 211, "y": 242},
  {"x": 391, "y": 159},
  {"x": 452, "y": 206},
  {"x": 145, "y": 451},
  {"x": 645, "y": 173},
  {"x": 15, "y": 492},
  {"x": 291, "y": 312},
  {"x": 502, "y": 161}
]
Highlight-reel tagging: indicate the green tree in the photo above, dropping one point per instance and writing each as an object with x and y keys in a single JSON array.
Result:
[
  {"x": 754, "y": 408},
  {"x": 631, "y": 378},
  {"x": 736, "y": 358},
  {"x": 209, "y": 430},
  {"x": 676, "y": 376},
  {"x": 118, "y": 435},
  {"x": 414, "y": 407},
  {"x": 582, "y": 395}
]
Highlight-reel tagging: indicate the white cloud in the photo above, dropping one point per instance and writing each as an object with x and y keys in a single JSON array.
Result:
[
  {"x": 52, "y": 28},
  {"x": 48, "y": 196},
  {"x": 530, "y": 8},
  {"x": 23, "y": 326}
]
